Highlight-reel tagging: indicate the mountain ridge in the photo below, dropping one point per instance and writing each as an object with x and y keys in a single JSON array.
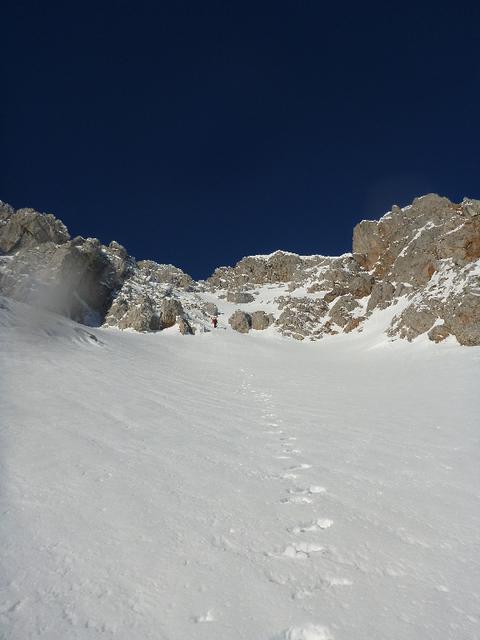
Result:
[{"x": 422, "y": 259}]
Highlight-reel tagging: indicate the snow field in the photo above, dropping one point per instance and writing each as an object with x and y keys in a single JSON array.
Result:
[{"x": 160, "y": 487}]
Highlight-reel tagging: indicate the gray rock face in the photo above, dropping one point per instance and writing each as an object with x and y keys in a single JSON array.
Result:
[
  {"x": 26, "y": 228},
  {"x": 240, "y": 321}
]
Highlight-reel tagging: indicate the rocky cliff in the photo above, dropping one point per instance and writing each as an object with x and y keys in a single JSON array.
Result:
[{"x": 420, "y": 262}]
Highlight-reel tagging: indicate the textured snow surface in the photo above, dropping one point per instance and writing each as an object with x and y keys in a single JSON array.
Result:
[{"x": 233, "y": 487}]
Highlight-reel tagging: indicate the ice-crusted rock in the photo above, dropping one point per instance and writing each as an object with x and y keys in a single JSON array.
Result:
[{"x": 240, "y": 321}]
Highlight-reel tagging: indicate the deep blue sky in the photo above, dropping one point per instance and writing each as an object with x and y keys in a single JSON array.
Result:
[{"x": 199, "y": 132}]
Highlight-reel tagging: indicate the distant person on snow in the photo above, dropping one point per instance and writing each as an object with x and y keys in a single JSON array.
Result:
[{"x": 214, "y": 323}]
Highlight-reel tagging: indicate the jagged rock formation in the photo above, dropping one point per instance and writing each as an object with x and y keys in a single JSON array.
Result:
[
  {"x": 418, "y": 265},
  {"x": 243, "y": 322},
  {"x": 24, "y": 229}
]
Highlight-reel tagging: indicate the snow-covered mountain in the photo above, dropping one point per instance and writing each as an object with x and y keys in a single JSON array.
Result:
[
  {"x": 422, "y": 262},
  {"x": 241, "y": 487}
]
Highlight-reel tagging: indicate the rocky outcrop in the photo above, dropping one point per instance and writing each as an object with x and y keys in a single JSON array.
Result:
[
  {"x": 381, "y": 296},
  {"x": 27, "y": 228},
  {"x": 342, "y": 311},
  {"x": 280, "y": 266},
  {"x": 405, "y": 244},
  {"x": 301, "y": 317},
  {"x": 239, "y": 297},
  {"x": 451, "y": 299},
  {"x": 76, "y": 278},
  {"x": 164, "y": 274}
]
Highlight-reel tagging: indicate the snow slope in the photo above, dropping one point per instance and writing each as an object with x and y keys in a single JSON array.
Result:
[{"x": 235, "y": 488}]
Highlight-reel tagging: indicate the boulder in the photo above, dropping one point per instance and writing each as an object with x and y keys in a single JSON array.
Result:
[
  {"x": 240, "y": 321},
  {"x": 169, "y": 309},
  {"x": 211, "y": 309},
  {"x": 261, "y": 320}
]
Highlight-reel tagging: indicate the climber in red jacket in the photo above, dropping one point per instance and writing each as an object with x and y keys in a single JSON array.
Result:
[{"x": 214, "y": 322}]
